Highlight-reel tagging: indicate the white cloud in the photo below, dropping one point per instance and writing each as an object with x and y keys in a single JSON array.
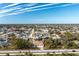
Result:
[
  {"x": 8, "y": 10},
  {"x": 32, "y": 9},
  {"x": 67, "y": 4},
  {"x": 11, "y": 5},
  {"x": 14, "y": 8},
  {"x": 31, "y": 4},
  {"x": 18, "y": 9},
  {"x": 25, "y": 9},
  {"x": 29, "y": 9},
  {"x": 36, "y": 7}
]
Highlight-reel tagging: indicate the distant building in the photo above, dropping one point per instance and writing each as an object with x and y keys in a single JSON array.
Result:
[
  {"x": 3, "y": 42},
  {"x": 55, "y": 36}
]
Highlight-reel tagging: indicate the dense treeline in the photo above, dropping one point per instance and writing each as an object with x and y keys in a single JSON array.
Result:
[{"x": 69, "y": 41}]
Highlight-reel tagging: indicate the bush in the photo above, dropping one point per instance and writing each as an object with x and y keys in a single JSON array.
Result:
[
  {"x": 22, "y": 44},
  {"x": 28, "y": 54},
  {"x": 7, "y": 54},
  {"x": 48, "y": 54}
]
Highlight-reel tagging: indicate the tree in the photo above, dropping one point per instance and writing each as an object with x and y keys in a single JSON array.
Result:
[
  {"x": 48, "y": 43},
  {"x": 52, "y": 43},
  {"x": 68, "y": 35},
  {"x": 23, "y": 44},
  {"x": 71, "y": 45}
]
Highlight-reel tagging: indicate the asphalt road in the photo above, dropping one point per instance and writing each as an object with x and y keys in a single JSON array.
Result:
[{"x": 42, "y": 51}]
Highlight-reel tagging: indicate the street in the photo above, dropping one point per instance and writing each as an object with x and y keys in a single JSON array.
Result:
[{"x": 41, "y": 51}]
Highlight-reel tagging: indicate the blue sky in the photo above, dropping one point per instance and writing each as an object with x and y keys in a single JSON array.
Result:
[{"x": 39, "y": 13}]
